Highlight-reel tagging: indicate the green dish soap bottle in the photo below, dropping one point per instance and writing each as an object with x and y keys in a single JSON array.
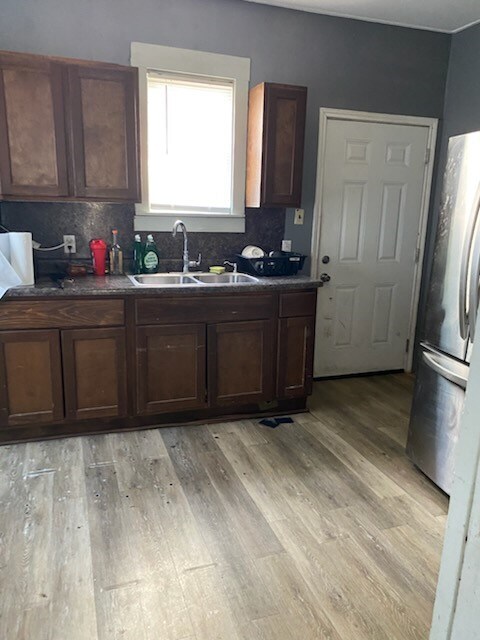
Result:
[
  {"x": 137, "y": 254},
  {"x": 150, "y": 256}
]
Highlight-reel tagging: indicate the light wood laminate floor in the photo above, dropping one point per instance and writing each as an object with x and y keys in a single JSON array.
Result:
[{"x": 318, "y": 529}]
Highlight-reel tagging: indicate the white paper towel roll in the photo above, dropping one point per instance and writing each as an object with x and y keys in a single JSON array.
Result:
[
  {"x": 5, "y": 245},
  {"x": 8, "y": 277},
  {"x": 21, "y": 256}
]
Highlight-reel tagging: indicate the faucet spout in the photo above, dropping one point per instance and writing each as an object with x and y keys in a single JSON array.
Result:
[{"x": 180, "y": 225}]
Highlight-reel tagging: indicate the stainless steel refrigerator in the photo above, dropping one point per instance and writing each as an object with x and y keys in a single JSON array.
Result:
[{"x": 450, "y": 324}]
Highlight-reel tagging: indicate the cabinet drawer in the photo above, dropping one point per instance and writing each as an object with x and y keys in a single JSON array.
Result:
[
  {"x": 208, "y": 310},
  {"x": 47, "y": 314},
  {"x": 302, "y": 303}
]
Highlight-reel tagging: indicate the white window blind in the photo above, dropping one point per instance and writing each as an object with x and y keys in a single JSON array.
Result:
[{"x": 190, "y": 143}]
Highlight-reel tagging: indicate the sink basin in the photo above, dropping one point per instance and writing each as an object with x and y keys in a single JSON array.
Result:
[
  {"x": 191, "y": 279},
  {"x": 163, "y": 280},
  {"x": 224, "y": 278}
]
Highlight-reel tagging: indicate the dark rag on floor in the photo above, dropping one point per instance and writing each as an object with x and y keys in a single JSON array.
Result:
[{"x": 274, "y": 422}]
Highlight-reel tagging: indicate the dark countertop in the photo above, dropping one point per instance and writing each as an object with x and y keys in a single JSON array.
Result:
[{"x": 121, "y": 286}]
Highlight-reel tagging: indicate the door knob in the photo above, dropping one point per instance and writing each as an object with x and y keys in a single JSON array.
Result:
[
  {"x": 324, "y": 277},
  {"x": 326, "y": 259}
]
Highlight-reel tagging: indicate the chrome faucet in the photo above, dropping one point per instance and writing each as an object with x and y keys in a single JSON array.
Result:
[{"x": 178, "y": 224}]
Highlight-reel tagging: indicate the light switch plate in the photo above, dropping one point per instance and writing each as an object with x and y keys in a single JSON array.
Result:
[
  {"x": 286, "y": 245},
  {"x": 299, "y": 215}
]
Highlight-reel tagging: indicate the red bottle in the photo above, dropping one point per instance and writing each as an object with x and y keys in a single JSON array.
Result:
[{"x": 98, "y": 249}]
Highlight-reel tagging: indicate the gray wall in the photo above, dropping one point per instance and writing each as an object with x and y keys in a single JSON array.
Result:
[
  {"x": 344, "y": 63},
  {"x": 462, "y": 96},
  {"x": 461, "y": 115}
]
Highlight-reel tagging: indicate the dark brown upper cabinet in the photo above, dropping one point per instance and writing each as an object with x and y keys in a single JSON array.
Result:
[
  {"x": 276, "y": 136},
  {"x": 33, "y": 154},
  {"x": 68, "y": 129},
  {"x": 102, "y": 110}
]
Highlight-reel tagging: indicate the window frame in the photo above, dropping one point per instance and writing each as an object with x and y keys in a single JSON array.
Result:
[{"x": 150, "y": 57}]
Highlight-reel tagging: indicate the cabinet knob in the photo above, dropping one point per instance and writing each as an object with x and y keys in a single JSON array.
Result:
[
  {"x": 326, "y": 259},
  {"x": 324, "y": 277}
]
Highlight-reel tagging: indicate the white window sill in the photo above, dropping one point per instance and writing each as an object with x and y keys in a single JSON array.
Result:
[{"x": 200, "y": 223}]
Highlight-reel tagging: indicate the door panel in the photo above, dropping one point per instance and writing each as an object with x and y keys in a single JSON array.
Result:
[
  {"x": 102, "y": 116},
  {"x": 30, "y": 377},
  {"x": 371, "y": 205},
  {"x": 285, "y": 111},
  {"x": 241, "y": 362},
  {"x": 32, "y": 128},
  {"x": 295, "y": 357},
  {"x": 171, "y": 367},
  {"x": 94, "y": 373}
]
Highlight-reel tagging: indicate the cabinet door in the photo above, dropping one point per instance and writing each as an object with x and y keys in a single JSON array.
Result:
[
  {"x": 32, "y": 129},
  {"x": 30, "y": 377},
  {"x": 94, "y": 371},
  {"x": 241, "y": 362},
  {"x": 283, "y": 142},
  {"x": 295, "y": 357},
  {"x": 103, "y": 112},
  {"x": 171, "y": 368}
]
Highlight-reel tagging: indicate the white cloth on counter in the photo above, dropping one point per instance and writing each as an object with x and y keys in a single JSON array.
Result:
[{"x": 16, "y": 260}]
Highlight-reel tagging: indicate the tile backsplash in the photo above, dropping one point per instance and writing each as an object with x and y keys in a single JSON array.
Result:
[{"x": 49, "y": 221}]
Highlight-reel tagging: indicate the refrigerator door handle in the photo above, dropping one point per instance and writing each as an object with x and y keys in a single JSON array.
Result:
[
  {"x": 456, "y": 372},
  {"x": 474, "y": 275},
  {"x": 465, "y": 268}
]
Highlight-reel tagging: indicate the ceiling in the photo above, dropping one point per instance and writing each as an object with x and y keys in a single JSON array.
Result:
[{"x": 436, "y": 15}]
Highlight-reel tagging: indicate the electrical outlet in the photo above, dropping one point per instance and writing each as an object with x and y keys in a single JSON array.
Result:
[
  {"x": 286, "y": 245},
  {"x": 70, "y": 244},
  {"x": 299, "y": 215}
]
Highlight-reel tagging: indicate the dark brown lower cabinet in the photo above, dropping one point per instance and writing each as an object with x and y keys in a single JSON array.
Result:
[
  {"x": 295, "y": 357},
  {"x": 241, "y": 362},
  {"x": 30, "y": 377},
  {"x": 94, "y": 373},
  {"x": 171, "y": 365}
]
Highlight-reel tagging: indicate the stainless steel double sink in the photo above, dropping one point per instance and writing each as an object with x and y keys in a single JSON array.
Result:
[{"x": 189, "y": 279}]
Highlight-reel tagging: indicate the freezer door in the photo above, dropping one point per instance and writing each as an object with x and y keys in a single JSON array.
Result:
[
  {"x": 435, "y": 418},
  {"x": 447, "y": 318}
]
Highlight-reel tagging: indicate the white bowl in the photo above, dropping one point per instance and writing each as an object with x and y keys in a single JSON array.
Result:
[{"x": 251, "y": 251}]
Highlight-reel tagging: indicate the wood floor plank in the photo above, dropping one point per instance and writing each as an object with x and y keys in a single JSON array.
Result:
[
  {"x": 320, "y": 565},
  {"x": 381, "y": 485},
  {"x": 14, "y": 507},
  {"x": 208, "y": 604},
  {"x": 252, "y": 528},
  {"x": 165, "y": 613},
  {"x": 257, "y": 480},
  {"x": 302, "y": 616},
  {"x": 249, "y": 432},
  {"x": 245, "y": 588},
  {"x": 402, "y": 573},
  {"x": 64, "y": 459},
  {"x": 116, "y": 577},
  {"x": 72, "y": 610}
]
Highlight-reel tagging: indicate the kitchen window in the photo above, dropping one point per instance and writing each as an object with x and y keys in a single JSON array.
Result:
[{"x": 193, "y": 118}]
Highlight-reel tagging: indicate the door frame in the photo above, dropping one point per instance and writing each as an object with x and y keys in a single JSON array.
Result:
[{"x": 327, "y": 114}]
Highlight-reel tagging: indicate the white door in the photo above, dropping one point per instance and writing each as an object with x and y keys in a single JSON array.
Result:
[{"x": 370, "y": 212}]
